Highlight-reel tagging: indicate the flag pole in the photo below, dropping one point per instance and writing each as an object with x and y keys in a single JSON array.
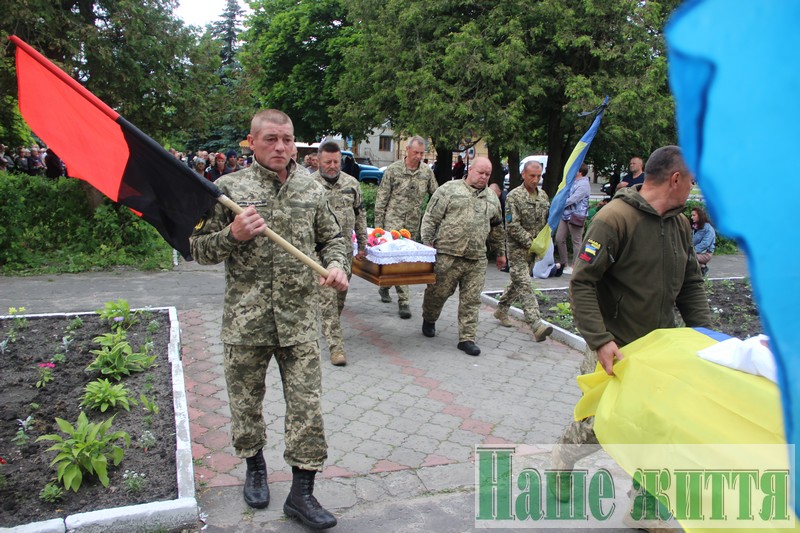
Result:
[{"x": 280, "y": 241}]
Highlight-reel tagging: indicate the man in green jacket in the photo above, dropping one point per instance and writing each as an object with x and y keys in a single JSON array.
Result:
[{"x": 636, "y": 265}]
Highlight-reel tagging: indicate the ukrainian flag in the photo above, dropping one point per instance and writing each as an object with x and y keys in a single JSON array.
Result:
[{"x": 557, "y": 205}]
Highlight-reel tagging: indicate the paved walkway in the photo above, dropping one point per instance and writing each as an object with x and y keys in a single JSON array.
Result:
[{"x": 402, "y": 418}]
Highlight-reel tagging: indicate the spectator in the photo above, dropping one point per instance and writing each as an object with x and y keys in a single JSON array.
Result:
[
  {"x": 547, "y": 267},
  {"x": 526, "y": 215},
  {"x": 576, "y": 208},
  {"x": 313, "y": 163},
  {"x": 54, "y": 167},
  {"x": 461, "y": 217},
  {"x": 271, "y": 308},
  {"x": 35, "y": 162},
  {"x": 703, "y": 238},
  {"x": 21, "y": 159},
  {"x": 7, "y": 160},
  {"x": 219, "y": 169},
  {"x": 458, "y": 169},
  {"x": 199, "y": 167},
  {"x": 398, "y": 205},
  {"x": 635, "y": 176},
  {"x": 231, "y": 164}
]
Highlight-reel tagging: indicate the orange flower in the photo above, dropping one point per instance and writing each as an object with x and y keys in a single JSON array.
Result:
[
  {"x": 405, "y": 233},
  {"x": 395, "y": 234}
]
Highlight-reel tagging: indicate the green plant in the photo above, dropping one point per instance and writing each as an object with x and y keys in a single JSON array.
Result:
[
  {"x": 45, "y": 374},
  {"x": 51, "y": 493},
  {"x": 58, "y": 358},
  {"x": 542, "y": 297},
  {"x": 149, "y": 405},
  {"x": 34, "y": 406},
  {"x": 66, "y": 342},
  {"x": 563, "y": 312},
  {"x": 101, "y": 394},
  {"x": 369, "y": 193},
  {"x": 20, "y": 322},
  {"x": 86, "y": 450},
  {"x": 75, "y": 323},
  {"x": 3, "y": 346},
  {"x": 118, "y": 314},
  {"x": 133, "y": 481},
  {"x": 153, "y": 326},
  {"x": 146, "y": 440},
  {"x": 147, "y": 420},
  {"x": 21, "y": 438},
  {"x": 116, "y": 358}
]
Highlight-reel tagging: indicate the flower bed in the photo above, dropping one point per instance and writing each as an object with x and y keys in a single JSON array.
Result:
[{"x": 29, "y": 489}]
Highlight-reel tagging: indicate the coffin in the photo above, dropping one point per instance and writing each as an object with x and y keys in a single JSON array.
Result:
[{"x": 396, "y": 274}]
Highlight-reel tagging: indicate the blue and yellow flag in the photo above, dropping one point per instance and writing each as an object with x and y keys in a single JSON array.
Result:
[{"x": 557, "y": 205}]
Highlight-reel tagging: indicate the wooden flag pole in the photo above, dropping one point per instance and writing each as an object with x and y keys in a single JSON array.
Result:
[{"x": 280, "y": 241}]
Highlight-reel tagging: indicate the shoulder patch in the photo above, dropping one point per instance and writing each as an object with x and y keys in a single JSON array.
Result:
[
  {"x": 508, "y": 216},
  {"x": 590, "y": 250},
  {"x": 200, "y": 224}
]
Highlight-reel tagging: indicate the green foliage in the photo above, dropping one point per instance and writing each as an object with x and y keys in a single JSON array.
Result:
[
  {"x": 118, "y": 314},
  {"x": 86, "y": 450},
  {"x": 146, "y": 440},
  {"x": 563, "y": 312},
  {"x": 58, "y": 358},
  {"x": 48, "y": 226},
  {"x": 116, "y": 358},
  {"x": 368, "y": 194},
  {"x": 153, "y": 326},
  {"x": 21, "y": 438},
  {"x": 101, "y": 394},
  {"x": 149, "y": 405},
  {"x": 45, "y": 374},
  {"x": 133, "y": 481},
  {"x": 51, "y": 493},
  {"x": 75, "y": 323}
]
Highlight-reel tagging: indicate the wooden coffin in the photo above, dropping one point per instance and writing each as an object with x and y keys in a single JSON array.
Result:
[{"x": 397, "y": 274}]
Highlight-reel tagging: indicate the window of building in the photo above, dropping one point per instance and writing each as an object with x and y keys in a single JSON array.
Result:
[{"x": 385, "y": 143}]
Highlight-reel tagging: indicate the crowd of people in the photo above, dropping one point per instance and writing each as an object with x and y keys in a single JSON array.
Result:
[{"x": 36, "y": 161}]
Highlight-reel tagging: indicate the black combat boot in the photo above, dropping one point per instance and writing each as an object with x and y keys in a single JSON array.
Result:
[
  {"x": 301, "y": 503},
  {"x": 256, "y": 490}
]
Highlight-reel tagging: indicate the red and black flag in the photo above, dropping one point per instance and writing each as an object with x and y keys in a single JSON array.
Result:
[{"x": 102, "y": 148}]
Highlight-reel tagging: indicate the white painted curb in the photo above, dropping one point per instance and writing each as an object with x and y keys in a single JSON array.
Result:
[
  {"x": 559, "y": 334},
  {"x": 167, "y": 515}
]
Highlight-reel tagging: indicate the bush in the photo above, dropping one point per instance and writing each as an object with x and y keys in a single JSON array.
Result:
[
  {"x": 368, "y": 194},
  {"x": 48, "y": 226}
]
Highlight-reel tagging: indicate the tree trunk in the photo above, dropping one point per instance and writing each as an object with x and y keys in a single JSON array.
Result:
[
  {"x": 555, "y": 157},
  {"x": 444, "y": 159},
  {"x": 514, "y": 178},
  {"x": 497, "y": 166}
]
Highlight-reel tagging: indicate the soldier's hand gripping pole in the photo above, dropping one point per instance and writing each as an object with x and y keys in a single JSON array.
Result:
[{"x": 280, "y": 241}]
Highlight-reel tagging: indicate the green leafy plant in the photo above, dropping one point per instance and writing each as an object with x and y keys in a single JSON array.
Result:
[
  {"x": 21, "y": 438},
  {"x": 58, "y": 358},
  {"x": 147, "y": 440},
  {"x": 101, "y": 394},
  {"x": 20, "y": 322},
  {"x": 149, "y": 405},
  {"x": 66, "y": 342},
  {"x": 3, "y": 346},
  {"x": 133, "y": 481},
  {"x": 153, "y": 326},
  {"x": 51, "y": 493},
  {"x": 563, "y": 312},
  {"x": 75, "y": 323},
  {"x": 118, "y": 314},
  {"x": 45, "y": 374},
  {"x": 116, "y": 358},
  {"x": 87, "y": 450}
]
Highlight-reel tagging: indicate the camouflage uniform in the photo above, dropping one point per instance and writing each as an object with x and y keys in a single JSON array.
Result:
[
  {"x": 398, "y": 203},
  {"x": 526, "y": 215},
  {"x": 271, "y": 302},
  {"x": 344, "y": 197},
  {"x": 458, "y": 222}
]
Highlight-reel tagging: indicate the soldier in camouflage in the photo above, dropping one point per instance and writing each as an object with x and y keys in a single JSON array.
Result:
[
  {"x": 461, "y": 216},
  {"x": 399, "y": 202},
  {"x": 344, "y": 197},
  {"x": 270, "y": 307},
  {"x": 526, "y": 215}
]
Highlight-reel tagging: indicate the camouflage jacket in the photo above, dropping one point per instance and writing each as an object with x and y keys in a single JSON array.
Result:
[
  {"x": 460, "y": 219},
  {"x": 344, "y": 197},
  {"x": 400, "y": 197},
  {"x": 526, "y": 215},
  {"x": 271, "y": 298}
]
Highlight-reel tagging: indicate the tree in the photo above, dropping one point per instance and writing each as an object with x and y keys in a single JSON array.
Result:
[
  {"x": 226, "y": 30},
  {"x": 293, "y": 56}
]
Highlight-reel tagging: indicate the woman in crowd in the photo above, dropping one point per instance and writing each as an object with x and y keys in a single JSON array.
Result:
[{"x": 703, "y": 239}]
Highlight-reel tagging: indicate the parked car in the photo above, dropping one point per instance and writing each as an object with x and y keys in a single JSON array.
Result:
[{"x": 367, "y": 173}]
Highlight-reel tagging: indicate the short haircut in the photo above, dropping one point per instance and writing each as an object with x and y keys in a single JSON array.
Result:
[
  {"x": 702, "y": 217},
  {"x": 273, "y": 116},
  {"x": 532, "y": 162},
  {"x": 329, "y": 146},
  {"x": 416, "y": 139},
  {"x": 584, "y": 169},
  {"x": 663, "y": 163}
]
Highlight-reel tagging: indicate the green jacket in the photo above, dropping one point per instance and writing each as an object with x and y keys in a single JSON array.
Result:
[
  {"x": 459, "y": 220},
  {"x": 344, "y": 197},
  {"x": 634, "y": 268},
  {"x": 526, "y": 215},
  {"x": 271, "y": 298},
  {"x": 398, "y": 203}
]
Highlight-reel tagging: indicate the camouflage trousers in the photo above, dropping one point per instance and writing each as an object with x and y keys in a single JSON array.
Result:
[
  {"x": 521, "y": 288},
  {"x": 468, "y": 276},
  {"x": 402, "y": 294},
  {"x": 331, "y": 305},
  {"x": 304, "y": 433},
  {"x": 579, "y": 434}
]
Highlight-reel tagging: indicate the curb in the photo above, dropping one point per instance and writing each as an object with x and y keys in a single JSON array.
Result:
[
  {"x": 559, "y": 334},
  {"x": 162, "y": 515}
]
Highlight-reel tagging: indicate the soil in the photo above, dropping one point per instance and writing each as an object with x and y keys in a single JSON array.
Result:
[
  {"x": 27, "y": 469},
  {"x": 733, "y": 311}
]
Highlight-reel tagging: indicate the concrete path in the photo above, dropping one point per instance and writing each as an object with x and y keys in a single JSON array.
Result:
[{"x": 402, "y": 418}]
